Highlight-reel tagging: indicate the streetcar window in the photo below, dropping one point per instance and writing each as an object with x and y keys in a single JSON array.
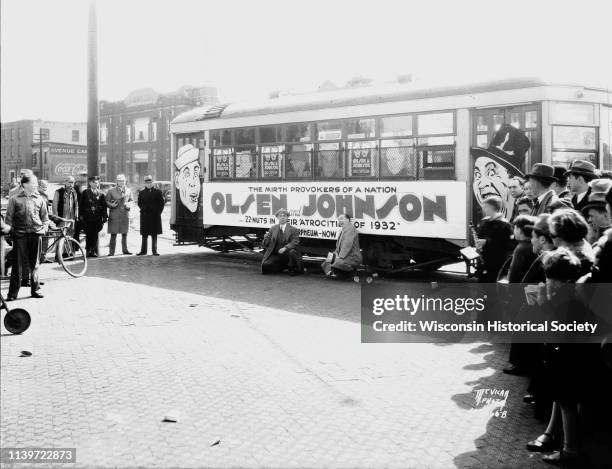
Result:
[
  {"x": 565, "y": 158},
  {"x": 244, "y": 136},
  {"x": 269, "y": 134},
  {"x": 272, "y": 161},
  {"x": 360, "y": 128},
  {"x": 329, "y": 161},
  {"x": 398, "y": 158},
  {"x": 431, "y": 141},
  {"x": 432, "y": 124},
  {"x": 329, "y": 130},
  {"x": 246, "y": 164},
  {"x": 298, "y": 161},
  {"x": 398, "y": 126},
  {"x": 531, "y": 119},
  {"x": 574, "y": 138},
  {"x": 223, "y": 162},
  {"x": 298, "y": 133},
  {"x": 573, "y": 113},
  {"x": 362, "y": 159}
]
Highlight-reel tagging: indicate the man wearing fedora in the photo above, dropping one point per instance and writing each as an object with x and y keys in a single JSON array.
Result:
[
  {"x": 595, "y": 210},
  {"x": 540, "y": 180},
  {"x": 580, "y": 174},
  {"x": 282, "y": 244}
]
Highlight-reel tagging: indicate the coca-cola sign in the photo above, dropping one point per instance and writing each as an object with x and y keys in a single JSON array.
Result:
[{"x": 68, "y": 168}]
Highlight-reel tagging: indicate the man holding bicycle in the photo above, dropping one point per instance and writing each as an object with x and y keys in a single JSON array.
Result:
[{"x": 27, "y": 216}]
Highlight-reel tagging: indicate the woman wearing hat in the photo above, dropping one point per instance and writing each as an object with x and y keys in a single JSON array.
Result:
[{"x": 93, "y": 214}]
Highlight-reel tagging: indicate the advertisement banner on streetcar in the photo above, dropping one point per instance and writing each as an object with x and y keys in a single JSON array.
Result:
[{"x": 435, "y": 209}]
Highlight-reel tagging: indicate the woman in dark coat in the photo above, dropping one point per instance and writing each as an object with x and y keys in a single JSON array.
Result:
[
  {"x": 92, "y": 214},
  {"x": 151, "y": 203}
]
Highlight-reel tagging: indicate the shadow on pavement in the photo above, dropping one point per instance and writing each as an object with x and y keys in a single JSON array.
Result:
[
  {"x": 507, "y": 434},
  {"x": 236, "y": 277}
]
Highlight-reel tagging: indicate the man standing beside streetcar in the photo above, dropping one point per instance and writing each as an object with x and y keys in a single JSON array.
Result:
[{"x": 93, "y": 215}]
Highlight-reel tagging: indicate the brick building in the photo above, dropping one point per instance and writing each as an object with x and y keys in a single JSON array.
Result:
[
  {"x": 134, "y": 137},
  {"x": 21, "y": 145}
]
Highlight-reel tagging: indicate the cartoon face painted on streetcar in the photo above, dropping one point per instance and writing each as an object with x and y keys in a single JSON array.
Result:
[
  {"x": 491, "y": 178},
  {"x": 187, "y": 177}
]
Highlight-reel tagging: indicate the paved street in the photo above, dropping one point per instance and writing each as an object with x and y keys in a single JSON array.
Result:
[{"x": 272, "y": 367}]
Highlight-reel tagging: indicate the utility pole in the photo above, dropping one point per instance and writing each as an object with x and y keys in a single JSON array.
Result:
[
  {"x": 43, "y": 134},
  {"x": 93, "y": 143}
]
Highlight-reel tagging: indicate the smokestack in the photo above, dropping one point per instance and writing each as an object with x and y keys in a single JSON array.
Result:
[{"x": 93, "y": 144}]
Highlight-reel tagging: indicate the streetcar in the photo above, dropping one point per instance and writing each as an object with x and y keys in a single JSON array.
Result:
[{"x": 411, "y": 163}]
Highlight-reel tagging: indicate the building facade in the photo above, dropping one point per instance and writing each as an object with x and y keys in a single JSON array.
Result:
[
  {"x": 21, "y": 147},
  {"x": 134, "y": 133}
]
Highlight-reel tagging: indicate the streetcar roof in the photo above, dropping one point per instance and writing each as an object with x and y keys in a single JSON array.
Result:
[{"x": 355, "y": 96}]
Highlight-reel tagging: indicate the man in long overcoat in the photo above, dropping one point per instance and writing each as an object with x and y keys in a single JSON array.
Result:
[
  {"x": 347, "y": 256},
  {"x": 93, "y": 214},
  {"x": 119, "y": 200},
  {"x": 282, "y": 245},
  {"x": 151, "y": 203}
]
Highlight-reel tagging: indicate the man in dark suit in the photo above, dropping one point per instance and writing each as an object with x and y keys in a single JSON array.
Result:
[
  {"x": 282, "y": 244},
  {"x": 516, "y": 186},
  {"x": 540, "y": 180},
  {"x": 151, "y": 203},
  {"x": 579, "y": 175}
]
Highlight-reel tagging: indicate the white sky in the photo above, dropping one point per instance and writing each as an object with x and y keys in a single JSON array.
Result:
[{"x": 248, "y": 48}]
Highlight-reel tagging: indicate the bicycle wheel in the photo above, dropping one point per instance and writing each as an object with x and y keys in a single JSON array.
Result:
[
  {"x": 17, "y": 321},
  {"x": 72, "y": 256}
]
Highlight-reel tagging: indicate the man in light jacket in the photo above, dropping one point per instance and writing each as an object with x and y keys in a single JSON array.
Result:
[{"x": 347, "y": 256}]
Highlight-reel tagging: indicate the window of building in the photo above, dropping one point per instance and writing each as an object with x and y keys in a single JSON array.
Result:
[
  {"x": 19, "y": 133},
  {"x": 154, "y": 131},
  {"x": 128, "y": 133},
  {"x": 103, "y": 133},
  {"x": 141, "y": 129},
  {"x": 75, "y": 135}
]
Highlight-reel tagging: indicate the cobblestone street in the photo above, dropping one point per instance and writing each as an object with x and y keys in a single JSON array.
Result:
[{"x": 272, "y": 367}]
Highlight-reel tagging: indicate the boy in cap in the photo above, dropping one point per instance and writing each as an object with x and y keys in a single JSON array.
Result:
[{"x": 282, "y": 243}]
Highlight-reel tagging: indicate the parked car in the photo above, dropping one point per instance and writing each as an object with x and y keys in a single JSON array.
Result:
[{"x": 166, "y": 188}]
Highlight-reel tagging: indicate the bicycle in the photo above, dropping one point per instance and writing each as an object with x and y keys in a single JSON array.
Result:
[{"x": 66, "y": 250}]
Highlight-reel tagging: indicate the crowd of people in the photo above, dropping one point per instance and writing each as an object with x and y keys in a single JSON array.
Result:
[
  {"x": 30, "y": 214},
  {"x": 559, "y": 236}
]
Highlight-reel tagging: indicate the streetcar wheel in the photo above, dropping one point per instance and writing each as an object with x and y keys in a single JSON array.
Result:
[
  {"x": 17, "y": 321},
  {"x": 71, "y": 256}
]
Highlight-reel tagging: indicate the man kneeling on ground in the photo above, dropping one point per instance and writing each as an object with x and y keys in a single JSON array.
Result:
[
  {"x": 282, "y": 244},
  {"x": 347, "y": 256}
]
